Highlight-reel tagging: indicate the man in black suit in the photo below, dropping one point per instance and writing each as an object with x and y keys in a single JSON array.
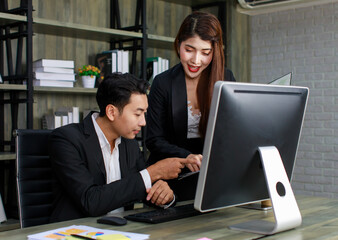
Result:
[{"x": 98, "y": 164}]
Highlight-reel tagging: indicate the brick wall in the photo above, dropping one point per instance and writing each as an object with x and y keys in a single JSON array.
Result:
[{"x": 304, "y": 41}]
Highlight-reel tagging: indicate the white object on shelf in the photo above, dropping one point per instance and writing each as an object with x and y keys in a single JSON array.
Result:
[
  {"x": 88, "y": 81},
  {"x": 2, "y": 212}
]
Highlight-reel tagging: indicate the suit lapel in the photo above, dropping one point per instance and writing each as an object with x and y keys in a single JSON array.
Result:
[
  {"x": 94, "y": 149},
  {"x": 179, "y": 103}
]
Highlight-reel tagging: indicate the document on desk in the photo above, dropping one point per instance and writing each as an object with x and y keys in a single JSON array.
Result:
[{"x": 67, "y": 233}]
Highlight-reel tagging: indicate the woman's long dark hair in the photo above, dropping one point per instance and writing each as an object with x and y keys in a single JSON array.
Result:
[{"x": 208, "y": 28}]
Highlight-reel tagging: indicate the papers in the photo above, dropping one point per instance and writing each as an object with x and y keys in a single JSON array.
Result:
[{"x": 91, "y": 232}]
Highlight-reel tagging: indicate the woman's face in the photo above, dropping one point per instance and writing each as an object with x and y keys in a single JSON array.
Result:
[{"x": 195, "y": 55}]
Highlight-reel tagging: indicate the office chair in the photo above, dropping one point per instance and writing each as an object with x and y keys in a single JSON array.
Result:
[{"x": 34, "y": 177}]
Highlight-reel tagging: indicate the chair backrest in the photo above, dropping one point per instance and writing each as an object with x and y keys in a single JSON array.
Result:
[{"x": 34, "y": 177}]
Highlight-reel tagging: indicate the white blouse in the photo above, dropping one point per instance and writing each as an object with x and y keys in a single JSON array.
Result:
[{"x": 193, "y": 122}]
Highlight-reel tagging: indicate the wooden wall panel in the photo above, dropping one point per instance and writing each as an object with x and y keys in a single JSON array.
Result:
[
  {"x": 238, "y": 50},
  {"x": 164, "y": 19}
]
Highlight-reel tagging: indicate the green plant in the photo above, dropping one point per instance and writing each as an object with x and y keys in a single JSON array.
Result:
[{"x": 89, "y": 70}]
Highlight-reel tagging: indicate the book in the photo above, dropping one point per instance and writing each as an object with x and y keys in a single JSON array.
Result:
[
  {"x": 125, "y": 61},
  {"x": 151, "y": 69},
  {"x": 64, "y": 117},
  {"x": 54, "y": 70},
  {"x": 51, "y": 122},
  {"x": 76, "y": 114},
  {"x": 72, "y": 112},
  {"x": 103, "y": 61},
  {"x": 118, "y": 60},
  {"x": 53, "y": 63},
  {"x": 52, "y": 83},
  {"x": 54, "y": 76},
  {"x": 65, "y": 233},
  {"x": 47, "y": 122},
  {"x": 113, "y": 61},
  {"x": 156, "y": 65},
  {"x": 57, "y": 121}
]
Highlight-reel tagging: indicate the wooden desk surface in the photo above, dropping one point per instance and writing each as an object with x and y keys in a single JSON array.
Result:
[{"x": 320, "y": 221}]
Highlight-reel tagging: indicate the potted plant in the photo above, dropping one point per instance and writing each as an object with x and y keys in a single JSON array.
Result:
[{"x": 88, "y": 75}]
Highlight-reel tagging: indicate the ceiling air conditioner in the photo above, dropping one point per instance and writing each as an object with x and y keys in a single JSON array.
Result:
[{"x": 254, "y": 7}]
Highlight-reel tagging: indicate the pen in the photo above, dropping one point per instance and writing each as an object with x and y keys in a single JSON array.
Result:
[{"x": 80, "y": 236}]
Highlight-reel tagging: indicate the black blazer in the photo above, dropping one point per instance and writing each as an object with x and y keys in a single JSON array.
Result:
[
  {"x": 167, "y": 116},
  {"x": 167, "y": 122},
  {"x": 81, "y": 188}
]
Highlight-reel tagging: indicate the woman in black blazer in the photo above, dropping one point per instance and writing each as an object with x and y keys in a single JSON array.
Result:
[{"x": 179, "y": 99}]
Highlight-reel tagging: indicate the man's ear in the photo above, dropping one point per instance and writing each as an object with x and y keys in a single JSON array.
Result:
[{"x": 111, "y": 112}]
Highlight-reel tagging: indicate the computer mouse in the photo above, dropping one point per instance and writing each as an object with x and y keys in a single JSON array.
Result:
[{"x": 113, "y": 220}]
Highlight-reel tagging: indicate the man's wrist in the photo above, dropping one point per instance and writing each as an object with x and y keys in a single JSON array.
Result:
[{"x": 153, "y": 173}]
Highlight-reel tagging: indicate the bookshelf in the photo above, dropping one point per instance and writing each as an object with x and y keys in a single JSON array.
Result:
[
  {"x": 42, "y": 26},
  {"x": 7, "y": 156},
  {"x": 76, "y": 34}
]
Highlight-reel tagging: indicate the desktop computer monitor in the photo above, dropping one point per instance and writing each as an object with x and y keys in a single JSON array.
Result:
[{"x": 249, "y": 123}]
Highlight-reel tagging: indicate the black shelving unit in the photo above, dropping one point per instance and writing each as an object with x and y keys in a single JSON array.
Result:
[
  {"x": 17, "y": 72},
  {"x": 135, "y": 45}
]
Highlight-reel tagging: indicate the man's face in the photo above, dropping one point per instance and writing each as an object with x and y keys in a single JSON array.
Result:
[{"x": 128, "y": 123}]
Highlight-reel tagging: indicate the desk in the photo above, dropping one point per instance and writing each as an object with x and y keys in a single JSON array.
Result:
[{"x": 320, "y": 221}]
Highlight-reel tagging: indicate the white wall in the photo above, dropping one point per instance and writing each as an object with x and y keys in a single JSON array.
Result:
[{"x": 304, "y": 41}]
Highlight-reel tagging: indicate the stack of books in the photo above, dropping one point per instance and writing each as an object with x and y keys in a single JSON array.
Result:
[
  {"x": 53, "y": 73},
  {"x": 113, "y": 61},
  {"x": 61, "y": 117},
  {"x": 156, "y": 65}
]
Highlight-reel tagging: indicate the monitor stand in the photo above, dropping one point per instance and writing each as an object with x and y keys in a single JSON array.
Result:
[
  {"x": 256, "y": 206},
  {"x": 284, "y": 205}
]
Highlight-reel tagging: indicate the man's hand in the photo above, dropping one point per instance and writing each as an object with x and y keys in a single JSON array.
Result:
[
  {"x": 192, "y": 166},
  {"x": 169, "y": 168},
  {"x": 160, "y": 193}
]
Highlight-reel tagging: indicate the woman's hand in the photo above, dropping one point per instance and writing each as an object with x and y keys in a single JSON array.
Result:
[{"x": 194, "y": 167}]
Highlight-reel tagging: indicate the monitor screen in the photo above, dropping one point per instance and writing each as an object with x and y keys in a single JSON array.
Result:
[{"x": 244, "y": 117}]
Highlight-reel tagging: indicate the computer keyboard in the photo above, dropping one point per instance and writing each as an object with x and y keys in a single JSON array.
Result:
[{"x": 165, "y": 215}]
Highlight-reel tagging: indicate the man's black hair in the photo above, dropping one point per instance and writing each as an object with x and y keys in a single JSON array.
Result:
[{"x": 117, "y": 88}]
